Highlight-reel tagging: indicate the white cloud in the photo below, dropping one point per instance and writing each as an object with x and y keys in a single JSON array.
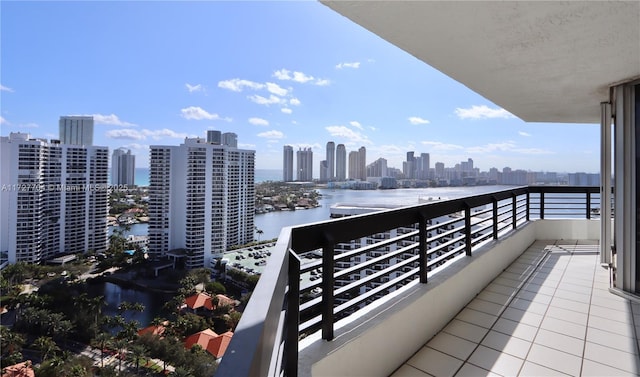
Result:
[
  {"x": 4, "y": 121},
  {"x": 299, "y": 77},
  {"x": 294, "y": 101},
  {"x": 125, "y": 134},
  {"x": 525, "y": 134},
  {"x": 286, "y": 110},
  {"x": 347, "y": 133},
  {"x": 355, "y": 124},
  {"x": 272, "y": 100},
  {"x": 165, "y": 132},
  {"x": 482, "y": 112},
  {"x": 282, "y": 74},
  {"x": 273, "y": 134},
  {"x": 439, "y": 146},
  {"x": 111, "y": 120},
  {"x": 5, "y": 89},
  {"x": 418, "y": 120},
  {"x": 276, "y": 89},
  {"x": 258, "y": 121},
  {"x": 197, "y": 113},
  {"x": 348, "y": 65},
  {"x": 194, "y": 88},
  {"x": 237, "y": 85}
]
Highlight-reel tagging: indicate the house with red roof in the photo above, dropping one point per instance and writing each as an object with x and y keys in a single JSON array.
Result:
[
  {"x": 211, "y": 342},
  {"x": 156, "y": 330},
  {"x": 203, "y": 303},
  {"x": 23, "y": 369}
]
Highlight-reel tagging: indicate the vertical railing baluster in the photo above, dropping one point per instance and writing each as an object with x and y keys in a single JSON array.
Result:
[
  {"x": 422, "y": 249},
  {"x": 588, "y": 205},
  {"x": 514, "y": 210},
  {"x": 528, "y": 205},
  {"x": 328, "y": 271},
  {"x": 292, "y": 318},
  {"x": 542, "y": 206},
  {"x": 495, "y": 218},
  {"x": 467, "y": 228}
]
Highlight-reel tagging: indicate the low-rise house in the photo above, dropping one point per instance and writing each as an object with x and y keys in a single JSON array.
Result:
[{"x": 211, "y": 342}]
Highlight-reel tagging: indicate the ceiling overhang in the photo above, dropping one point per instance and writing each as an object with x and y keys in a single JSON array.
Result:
[{"x": 543, "y": 61}]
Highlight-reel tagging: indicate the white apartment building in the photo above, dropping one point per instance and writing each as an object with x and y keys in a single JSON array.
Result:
[
  {"x": 54, "y": 198},
  {"x": 201, "y": 200},
  {"x": 123, "y": 168}
]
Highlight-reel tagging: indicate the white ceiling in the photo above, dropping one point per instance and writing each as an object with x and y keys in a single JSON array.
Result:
[{"x": 547, "y": 61}]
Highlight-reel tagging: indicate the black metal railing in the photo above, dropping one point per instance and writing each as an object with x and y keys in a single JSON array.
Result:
[{"x": 322, "y": 272}]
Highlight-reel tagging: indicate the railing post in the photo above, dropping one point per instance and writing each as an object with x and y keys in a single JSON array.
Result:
[
  {"x": 327, "y": 289},
  {"x": 422, "y": 248},
  {"x": 495, "y": 218},
  {"x": 292, "y": 318},
  {"x": 588, "y": 205},
  {"x": 467, "y": 229},
  {"x": 528, "y": 204},
  {"x": 542, "y": 206},
  {"x": 514, "y": 211}
]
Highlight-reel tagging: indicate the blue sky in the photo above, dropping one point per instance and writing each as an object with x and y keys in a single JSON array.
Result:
[{"x": 275, "y": 73}]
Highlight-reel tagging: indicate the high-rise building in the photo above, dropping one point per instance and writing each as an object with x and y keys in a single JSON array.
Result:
[
  {"x": 287, "y": 163},
  {"x": 331, "y": 161},
  {"x": 378, "y": 168},
  {"x": 304, "y": 167},
  {"x": 76, "y": 130},
  {"x": 214, "y": 137},
  {"x": 422, "y": 166},
  {"x": 439, "y": 170},
  {"x": 341, "y": 163},
  {"x": 358, "y": 164},
  {"x": 409, "y": 166},
  {"x": 201, "y": 200},
  {"x": 230, "y": 139},
  {"x": 324, "y": 171},
  {"x": 54, "y": 198},
  {"x": 123, "y": 167}
]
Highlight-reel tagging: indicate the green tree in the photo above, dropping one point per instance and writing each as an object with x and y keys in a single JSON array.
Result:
[
  {"x": 46, "y": 345},
  {"x": 102, "y": 341},
  {"x": 138, "y": 351}
]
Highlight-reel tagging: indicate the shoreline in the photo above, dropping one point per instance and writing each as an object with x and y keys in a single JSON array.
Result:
[{"x": 125, "y": 281}]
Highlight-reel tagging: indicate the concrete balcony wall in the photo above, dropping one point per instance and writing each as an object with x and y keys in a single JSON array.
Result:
[{"x": 378, "y": 339}]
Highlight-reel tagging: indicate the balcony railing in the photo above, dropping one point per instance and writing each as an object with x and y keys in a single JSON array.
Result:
[{"x": 322, "y": 272}]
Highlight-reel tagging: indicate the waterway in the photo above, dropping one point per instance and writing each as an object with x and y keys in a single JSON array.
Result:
[
  {"x": 272, "y": 223},
  {"x": 114, "y": 295}
]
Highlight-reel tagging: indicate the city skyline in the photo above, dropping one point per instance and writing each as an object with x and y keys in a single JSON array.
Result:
[{"x": 274, "y": 73}]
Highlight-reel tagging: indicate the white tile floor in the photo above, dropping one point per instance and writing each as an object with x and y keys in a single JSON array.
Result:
[{"x": 548, "y": 314}]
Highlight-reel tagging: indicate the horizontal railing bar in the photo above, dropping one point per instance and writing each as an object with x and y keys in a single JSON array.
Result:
[
  {"x": 342, "y": 307},
  {"x": 372, "y": 247},
  {"x": 360, "y": 282},
  {"x": 372, "y": 261}
]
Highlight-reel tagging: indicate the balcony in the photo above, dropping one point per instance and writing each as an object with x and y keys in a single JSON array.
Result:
[{"x": 518, "y": 278}]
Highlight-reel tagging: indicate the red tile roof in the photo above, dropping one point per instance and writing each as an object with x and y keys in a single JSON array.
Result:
[
  {"x": 154, "y": 330},
  {"x": 199, "y": 300},
  {"x": 23, "y": 369},
  {"x": 210, "y": 341}
]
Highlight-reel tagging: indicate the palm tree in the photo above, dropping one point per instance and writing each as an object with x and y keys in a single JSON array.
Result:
[
  {"x": 46, "y": 345},
  {"x": 138, "y": 351},
  {"x": 121, "y": 346},
  {"x": 259, "y": 232},
  {"x": 102, "y": 340}
]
